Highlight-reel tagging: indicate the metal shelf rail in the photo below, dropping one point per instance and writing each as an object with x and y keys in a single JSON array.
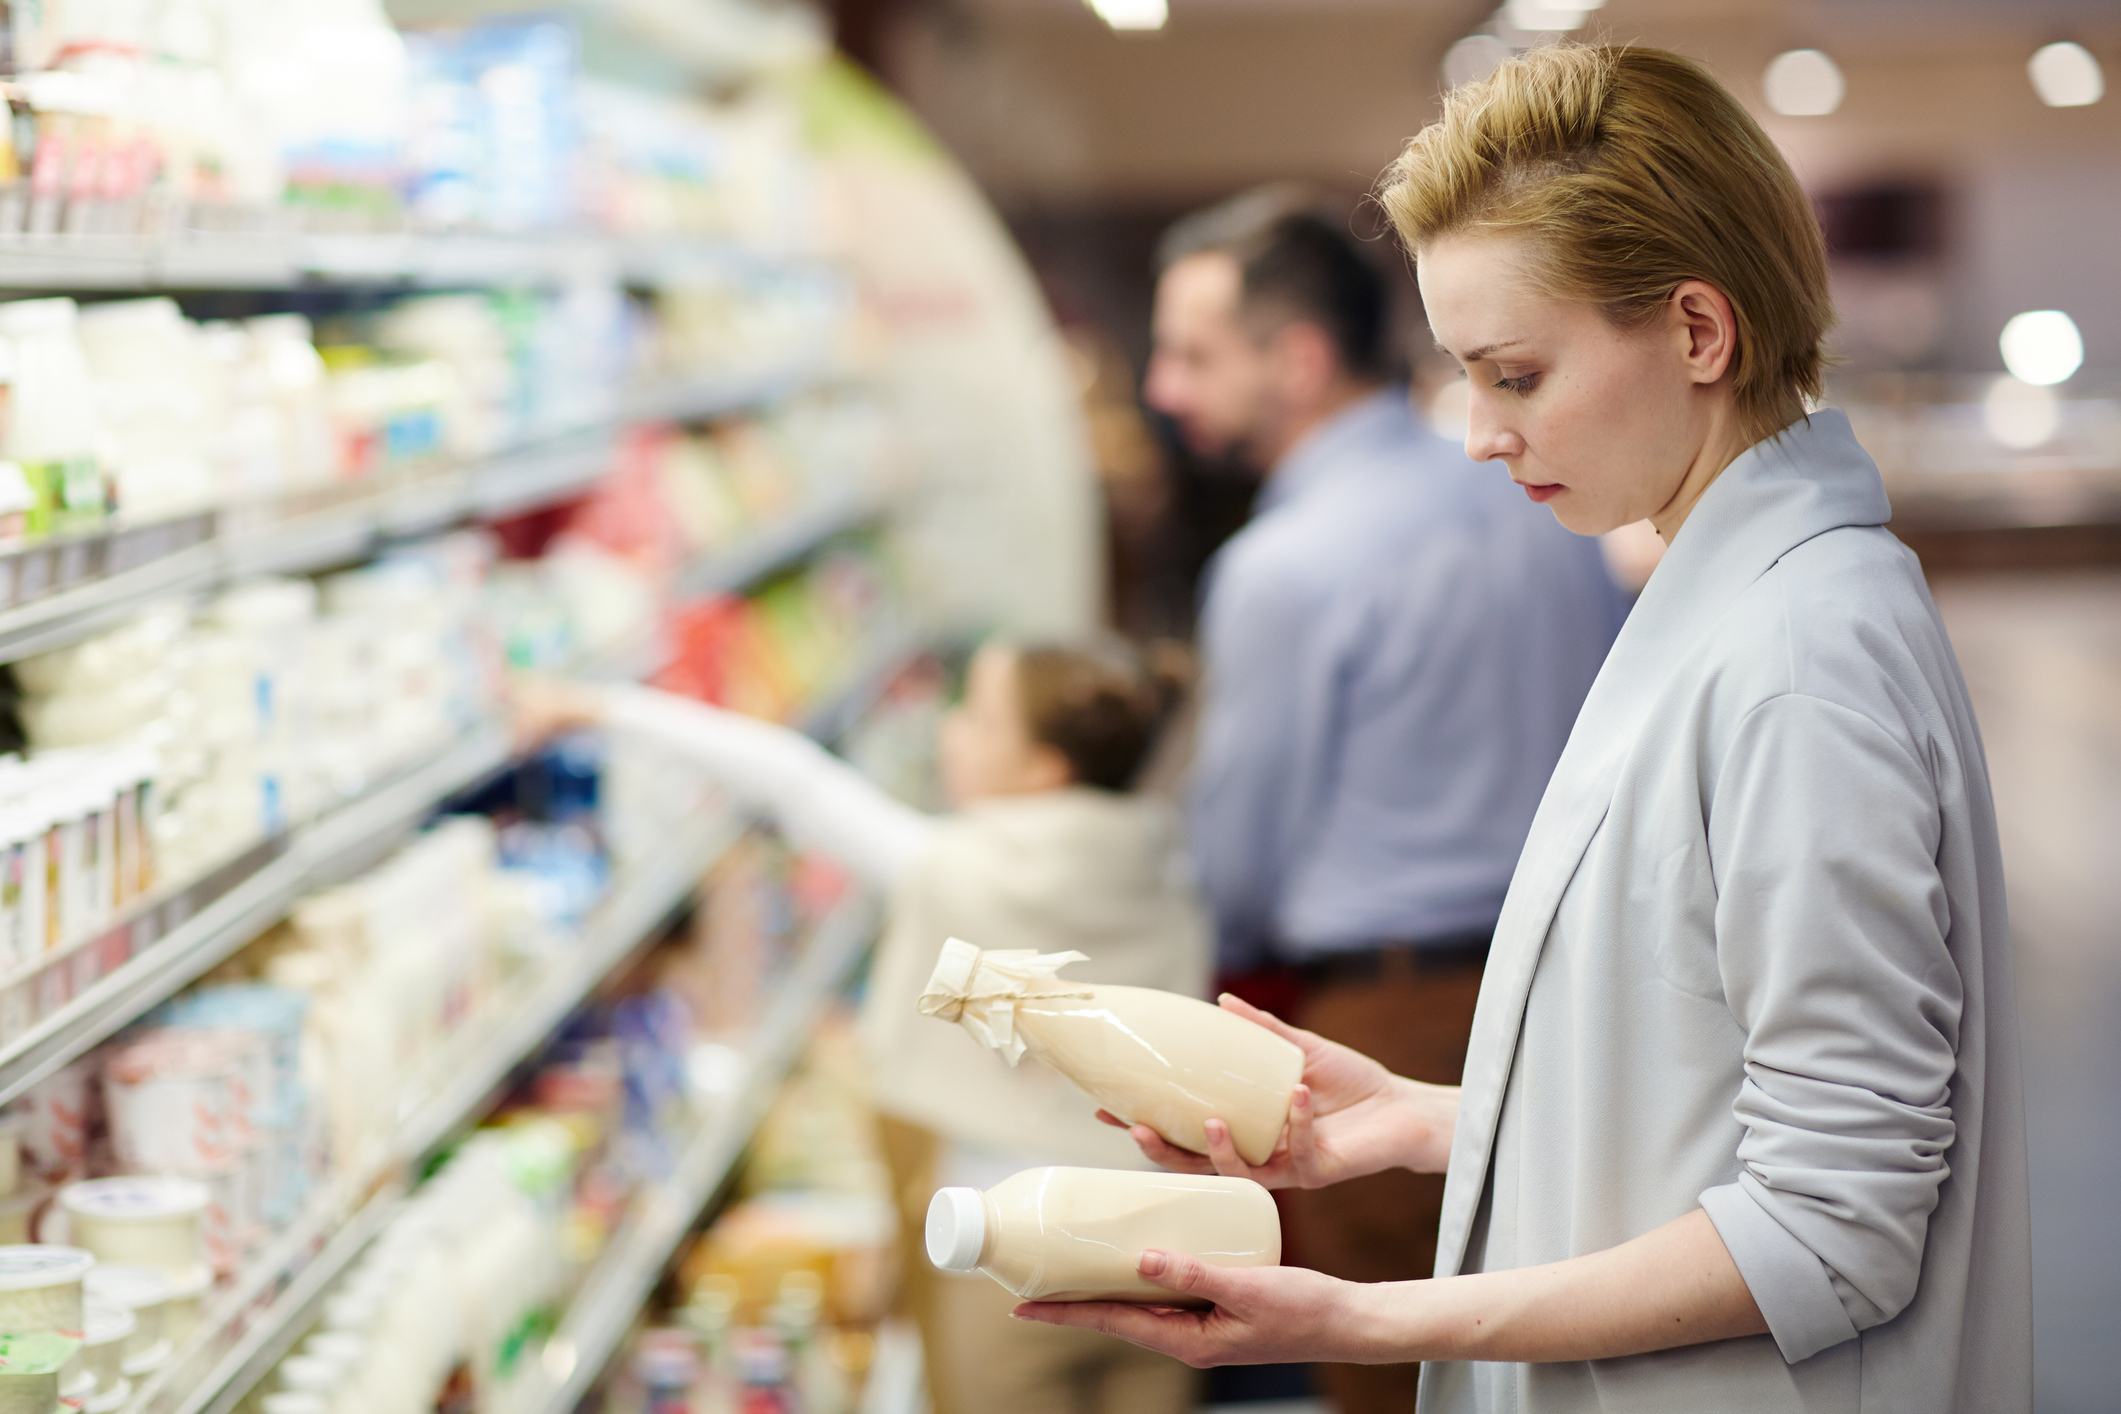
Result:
[
  {"x": 57, "y": 592},
  {"x": 290, "y": 261}
]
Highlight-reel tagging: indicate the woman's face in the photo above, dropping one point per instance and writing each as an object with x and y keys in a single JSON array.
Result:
[
  {"x": 987, "y": 749},
  {"x": 1600, "y": 424}
]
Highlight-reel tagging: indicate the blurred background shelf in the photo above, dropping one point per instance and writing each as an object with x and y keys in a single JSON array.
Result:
[{"x": 609, "y": 1299}]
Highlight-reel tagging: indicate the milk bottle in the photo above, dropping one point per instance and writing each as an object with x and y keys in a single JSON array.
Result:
[
  {"x": 1155, "y": 1058},
  {"x": 1069, "y": 1234}
]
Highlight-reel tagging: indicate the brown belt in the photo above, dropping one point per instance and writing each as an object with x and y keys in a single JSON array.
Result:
[{"x": 1359, "y": 965}]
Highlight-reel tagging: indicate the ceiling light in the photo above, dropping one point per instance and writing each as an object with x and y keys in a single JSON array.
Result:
[
  {"x": 2021, "y": 415},
  {"x": 2042, "y": 346},
  {"x": 1549, "y": 14},
  {"x": 1804, "y": 83},
  {"x": 1132, "y": 14},
  {"x": 2066, "y": 75}
]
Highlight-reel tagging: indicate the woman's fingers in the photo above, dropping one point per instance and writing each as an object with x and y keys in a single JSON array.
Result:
[
  {"x": 1107, "y": 1117},
  {"x": 1222, "y": 1152},
  {"x": 1178, "y": 1334},
  {"x": 1303, "y": 1140},
  {"x": 1238, "y": 1006},
  {"x": 1164, "y": 1154}
]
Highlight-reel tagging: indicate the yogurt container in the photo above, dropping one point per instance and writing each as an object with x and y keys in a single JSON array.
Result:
[
  {"x": 154, "y": 1221},
  {"x": 143, "y": 1292},
  {"x": 40, "y": 1289},
  {"x": 180, "y": 1314},
  {"x": 104, "y": 1333},
  {"x": 31, "y": 1368}
]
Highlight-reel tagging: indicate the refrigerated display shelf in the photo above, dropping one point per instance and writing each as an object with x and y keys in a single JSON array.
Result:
[
  {"x": 252, "y": 1325},
  {"x": 57, "y": 592},
  {"x": 609, "y": 1298},
  {"x": 287, "y": 261},
  {"x": 777, "y": 546},
  {"x": 179, "y": 935},
  {"x": 256, "y": 1324}
]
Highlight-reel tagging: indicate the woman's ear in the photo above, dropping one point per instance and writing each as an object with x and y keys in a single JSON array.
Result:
[
  {"x": 1047, "y": 768},
  {"x": 1704, "y": 315}
]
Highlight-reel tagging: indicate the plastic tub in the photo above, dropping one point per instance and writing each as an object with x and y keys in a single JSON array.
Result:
[
  {"x": 155, "y": 1222},
  {"x": 144, "y": 1292},
  {"x": 104, "y": 1333},
  {"x": 40, "y": 1289},
  {"x": 180, "y": 1315}
]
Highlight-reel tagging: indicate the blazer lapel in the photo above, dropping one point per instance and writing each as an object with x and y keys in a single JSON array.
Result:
[{"x": 1773, "y": 497}]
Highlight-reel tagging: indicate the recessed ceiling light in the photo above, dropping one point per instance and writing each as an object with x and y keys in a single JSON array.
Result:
[
  {"x": 1804, "y": 83},
  {"x": 1549, "y": 15},
  {"x": 2066, "y": 75},
  {"x": 2042, "y": 346},
  {"x": 1132, "y": 14}
]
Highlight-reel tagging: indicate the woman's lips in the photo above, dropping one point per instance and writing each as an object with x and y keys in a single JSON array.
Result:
[{"x": 1543, "y": 493}]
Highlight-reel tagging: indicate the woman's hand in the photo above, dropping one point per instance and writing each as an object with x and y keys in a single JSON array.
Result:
[
  {"x": 1349, "y": 1117},
  {"x": 1261, "y": 1315},
  {"x": 541, "y": 708}
]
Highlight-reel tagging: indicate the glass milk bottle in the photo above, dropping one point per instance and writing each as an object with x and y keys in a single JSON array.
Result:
[
  {"x": 1069, "y": 1234},
  {"x": 1156, "y": 1058}
]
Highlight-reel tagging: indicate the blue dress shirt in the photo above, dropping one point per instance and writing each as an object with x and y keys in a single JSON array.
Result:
[{"x": 1395, "y": 650}]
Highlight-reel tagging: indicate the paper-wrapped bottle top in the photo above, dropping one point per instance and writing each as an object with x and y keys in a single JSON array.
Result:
[{"x": 979, "y": 990}]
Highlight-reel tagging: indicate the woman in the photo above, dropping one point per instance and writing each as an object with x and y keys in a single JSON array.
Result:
[
  {"x": 1740, "y": 1125},
  {"x": 1048, "y": 849}
]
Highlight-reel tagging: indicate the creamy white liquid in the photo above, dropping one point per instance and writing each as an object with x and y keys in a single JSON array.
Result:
[
  {"x": 1069, "y": 1234},
  {"x": 1168, "y": 1061}
]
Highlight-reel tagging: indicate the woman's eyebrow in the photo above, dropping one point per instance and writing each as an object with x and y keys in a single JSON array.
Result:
[{"x": 1476, "y": 355}]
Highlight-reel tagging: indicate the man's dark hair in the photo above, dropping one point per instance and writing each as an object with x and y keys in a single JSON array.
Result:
[{"x": 1298, "y": 262}]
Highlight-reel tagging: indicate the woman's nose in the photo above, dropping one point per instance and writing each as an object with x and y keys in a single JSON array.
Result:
[{"x": 1488, "y": 436}]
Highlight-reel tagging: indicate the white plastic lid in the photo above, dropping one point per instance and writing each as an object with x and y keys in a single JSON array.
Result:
[
  {"x": 196, "y": 1282},
  {"x": 312, "y": 1374},
  {"x": 32, "y": 1267},
  {"x": 128, "y": 1284},
  {"x": 139, "y": 1197},
  {"x": 105, "y": 1325},
  {"x": 37, "y": 316},
  {"x": 109, "y": 1401},
  {"x": 295, "y": 1401},
  {"x": 957, "y": 1228},
  {"x": 342, "y": 1346}
]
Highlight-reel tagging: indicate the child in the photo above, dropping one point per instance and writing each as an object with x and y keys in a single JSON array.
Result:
[{"x": 1046, "y": 849}]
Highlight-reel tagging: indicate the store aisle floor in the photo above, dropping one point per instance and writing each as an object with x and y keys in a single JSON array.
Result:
[{"x": 2042, "y": 655}]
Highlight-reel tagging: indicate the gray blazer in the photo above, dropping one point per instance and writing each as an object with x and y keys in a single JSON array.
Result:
[{"x": 1755, "y": 959}]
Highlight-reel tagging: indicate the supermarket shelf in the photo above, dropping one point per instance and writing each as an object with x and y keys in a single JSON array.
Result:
[
  {"x": 63, "y": 591},
  {"x": 894, "y": 650},
  {"x": 604, "y": 1307},
  {"x": 195, "y": 928},
  {"x": 265, "y": 261},
  {"x": 779, "y": 545},
  {"x": 251, "y": 1327}
]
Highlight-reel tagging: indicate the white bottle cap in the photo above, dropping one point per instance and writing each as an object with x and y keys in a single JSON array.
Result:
[{"x": 957, "y": 1229}]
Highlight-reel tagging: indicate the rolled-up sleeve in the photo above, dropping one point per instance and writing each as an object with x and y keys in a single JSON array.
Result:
[{"x": 1832, "y": 939}]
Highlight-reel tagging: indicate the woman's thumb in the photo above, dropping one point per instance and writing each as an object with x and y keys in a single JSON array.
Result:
[{"x": 1176, "y": 1271}]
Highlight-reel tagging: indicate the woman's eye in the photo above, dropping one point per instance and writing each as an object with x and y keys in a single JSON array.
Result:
[{"x": 1520, "y": 385}]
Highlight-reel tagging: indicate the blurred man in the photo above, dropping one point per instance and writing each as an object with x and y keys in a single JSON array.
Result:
[{"x": 1395, "y": 649}]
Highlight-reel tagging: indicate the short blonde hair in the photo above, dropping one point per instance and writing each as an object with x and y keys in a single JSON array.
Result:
[{"x": 1634, "y": 170}]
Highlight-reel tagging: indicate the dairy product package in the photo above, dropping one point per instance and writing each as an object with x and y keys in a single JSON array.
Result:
[
  {"x": 1155, "y": 1058},
  {"x": 1071, "y": 1234}
]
